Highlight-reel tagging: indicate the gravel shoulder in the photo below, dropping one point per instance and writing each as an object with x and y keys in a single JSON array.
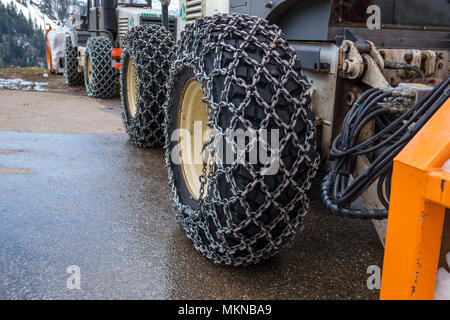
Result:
[{"x": 24, "y": 111}]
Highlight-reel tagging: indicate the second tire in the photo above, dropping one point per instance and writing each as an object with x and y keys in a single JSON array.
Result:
[
  {"x": 99, "y": 75},
  {"x": 147, "y": 57}
]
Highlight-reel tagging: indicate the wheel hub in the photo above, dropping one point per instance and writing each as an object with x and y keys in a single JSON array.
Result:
[
  {"x": 131, "y": 89},
  {"x": 89, "y": 68},
  {"x": 192, "y": 120}
]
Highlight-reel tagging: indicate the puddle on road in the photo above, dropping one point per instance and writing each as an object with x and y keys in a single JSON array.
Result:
[
  {"x": 20, "y": 84},
  {"x": 4, "y": 151},
  {"x": 4, "y": 170}
]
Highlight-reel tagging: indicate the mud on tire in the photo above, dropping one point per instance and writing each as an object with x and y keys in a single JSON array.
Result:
[
  {"x": 251, "y": 79},
  {"x": 71, "y": 74},
  {"x": 100, "y": 79},
  {"x": 150, "y": 49}
]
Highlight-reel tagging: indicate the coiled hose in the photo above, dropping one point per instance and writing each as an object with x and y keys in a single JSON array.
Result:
[{"x": 393, "y": 133}]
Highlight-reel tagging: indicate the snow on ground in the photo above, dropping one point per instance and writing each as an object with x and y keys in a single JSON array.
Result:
[
  {"x": 442, "y": 291},
  {"x": 19, "y": 84},
  {"x": 35, "y": 12}
]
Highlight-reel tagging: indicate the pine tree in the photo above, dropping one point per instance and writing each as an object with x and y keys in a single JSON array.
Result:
[{"x": 22, "y": 42}]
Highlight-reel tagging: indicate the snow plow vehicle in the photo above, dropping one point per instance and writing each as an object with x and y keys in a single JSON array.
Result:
[
  {"x": 112, "y": 33},
  {"x": 260, "y": 91}
]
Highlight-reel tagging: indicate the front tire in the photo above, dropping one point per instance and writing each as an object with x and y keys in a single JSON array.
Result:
[
  {"x": 99, "y": 75},
  {"x": 147, "y": 57},
  {"x": 249, "y": 79}
]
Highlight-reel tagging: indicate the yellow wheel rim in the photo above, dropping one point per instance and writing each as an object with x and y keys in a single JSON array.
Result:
[
  {"x": 89, "y": 68},
  {"x": 192, "y": 120},
  {"x": 131, "y": 89}
]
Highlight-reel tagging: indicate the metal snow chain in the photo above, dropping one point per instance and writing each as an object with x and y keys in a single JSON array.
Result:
[
  {"x": 146, "y": 56},
  {"x": 197, "y": 222}
]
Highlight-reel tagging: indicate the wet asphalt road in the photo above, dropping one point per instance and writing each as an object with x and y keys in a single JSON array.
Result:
[{"x": 96, "y": 201}]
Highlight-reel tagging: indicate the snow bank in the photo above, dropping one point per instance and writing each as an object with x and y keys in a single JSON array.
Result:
[
  {"x": 20, "y": 84},
  {"x": 442, "y": 291},
  {"x": 56, "y": 40}
]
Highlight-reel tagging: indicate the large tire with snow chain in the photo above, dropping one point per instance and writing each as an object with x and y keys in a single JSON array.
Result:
[
  {"x": 71, "y": 74},
  {"x": 99, "y": 75},
  {"x": 146, "y": 61},
  {"x": 239, "y": 72}
]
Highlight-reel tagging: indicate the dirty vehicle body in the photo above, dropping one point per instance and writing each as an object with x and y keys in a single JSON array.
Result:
[
  {"x": 323, "y": 74},
  {"x": 337, "y": 50},
  {"x": 113, "y": 19},
  {"x": 123, "y": 34},
  {"x": 108, "y": 21}
]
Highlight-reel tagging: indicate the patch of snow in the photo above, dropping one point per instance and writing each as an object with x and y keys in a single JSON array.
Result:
[
  {"x": 20, "y": 84},
  {"x": 442, "y": 291},
  {"x": 38, "y": 86}
]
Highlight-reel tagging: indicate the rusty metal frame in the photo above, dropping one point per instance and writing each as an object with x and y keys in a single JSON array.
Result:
[{"x": 419, "y": 197}]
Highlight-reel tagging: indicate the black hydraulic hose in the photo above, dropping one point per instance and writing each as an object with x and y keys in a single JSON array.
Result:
[
  {"x": 348, "y": 212},
  {"x": 396, "y": 133},
  {"x": 404, "y": 66},
  {"x": 391, "y": 152},
  {"x": 352, "y": 114},
  {"x": 381, "y": 183},
  {"x": 394, "y": 150},
  {"x": 367, "y": 119},
  {"x": 337, "y": 193},
  {"x": 431, "y": 96}
]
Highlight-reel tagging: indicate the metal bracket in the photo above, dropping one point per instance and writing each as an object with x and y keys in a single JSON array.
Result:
[{"x": 310, "y": 59}]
